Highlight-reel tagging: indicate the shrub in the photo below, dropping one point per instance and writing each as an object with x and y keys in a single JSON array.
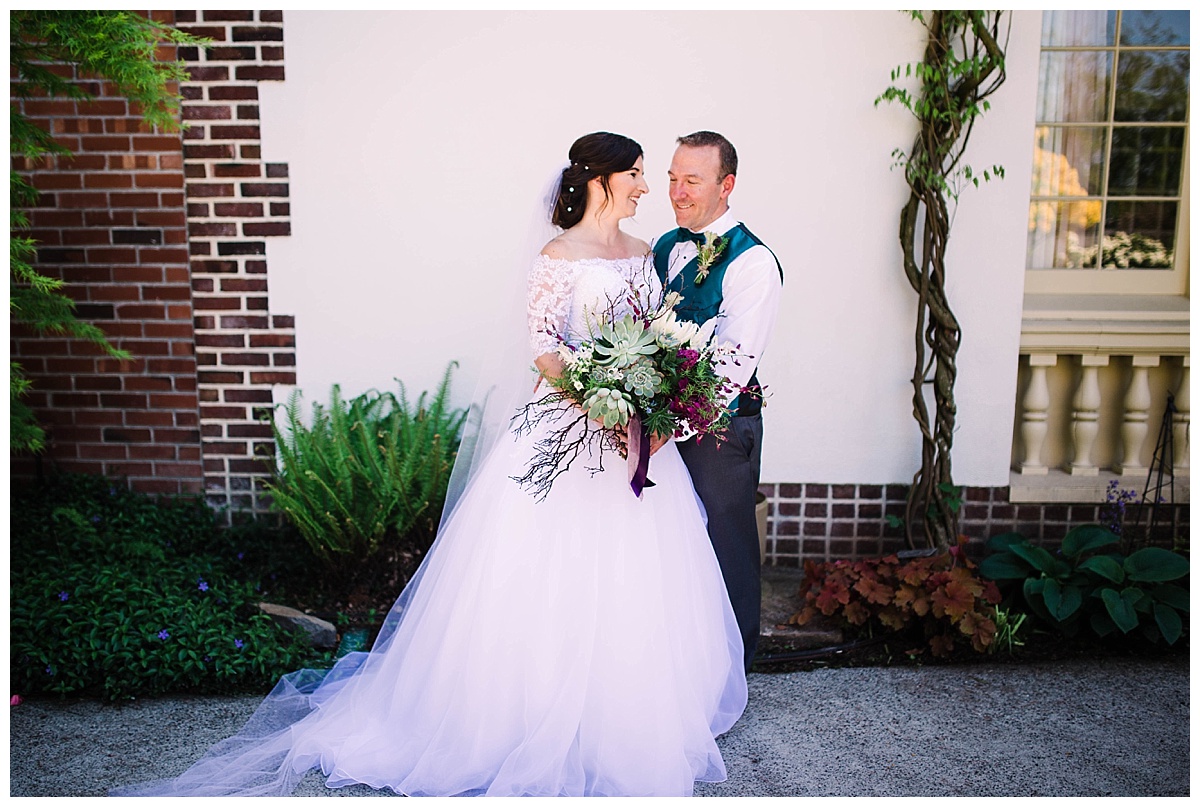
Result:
[
  {"x": 939, "y": 598},
  {"x": 113, "y": 594},
  {"x": 1083, "y": 585},
  {"x": 366, "y": 472}
]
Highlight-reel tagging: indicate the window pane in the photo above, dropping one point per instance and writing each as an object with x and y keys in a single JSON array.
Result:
[
  {"x": 1140, "y": 235},
  {"x": 1078, "y": 28},
  {"x": 1063, "y": 235},
  {"x": 1074, "y": 87},
  {"x": 1155, "y": 28},
  {"x": 1068, "y": 161},
  {"x": 1146, "y": 161},
  {"x": 1152, "y": 86}
]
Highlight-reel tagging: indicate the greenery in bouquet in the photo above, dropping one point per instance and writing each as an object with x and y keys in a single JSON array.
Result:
[{"x": 646, "y": 366}]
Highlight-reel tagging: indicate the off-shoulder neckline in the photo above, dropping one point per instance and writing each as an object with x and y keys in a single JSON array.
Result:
[{"x": 546, "y": 257}]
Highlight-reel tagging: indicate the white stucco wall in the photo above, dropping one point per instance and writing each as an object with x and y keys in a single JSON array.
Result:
[{"x": 416, "y": 141}]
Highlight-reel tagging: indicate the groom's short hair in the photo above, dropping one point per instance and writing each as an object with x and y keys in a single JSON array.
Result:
[{"x": 725, "y": 149}]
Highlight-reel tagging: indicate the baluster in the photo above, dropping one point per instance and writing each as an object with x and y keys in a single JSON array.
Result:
[
  {"x": 1136, "y": 427},
  {"x": 1087, "y": 416},
  {"x": 1183, "y": 422},
  {"x": 1035, "y": 411}
]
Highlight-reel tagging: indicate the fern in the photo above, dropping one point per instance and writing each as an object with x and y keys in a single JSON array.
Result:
[{"x": 367, "y": 471}]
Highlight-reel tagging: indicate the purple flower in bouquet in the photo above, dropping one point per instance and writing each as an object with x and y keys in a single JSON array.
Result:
[{"x": 689, "y": 357}]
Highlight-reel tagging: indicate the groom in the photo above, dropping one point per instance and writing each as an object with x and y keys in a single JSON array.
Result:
[{"x": 741, "y": 286}]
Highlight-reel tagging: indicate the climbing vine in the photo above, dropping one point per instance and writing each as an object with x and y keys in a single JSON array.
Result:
[{"x": 963, "y": 64}]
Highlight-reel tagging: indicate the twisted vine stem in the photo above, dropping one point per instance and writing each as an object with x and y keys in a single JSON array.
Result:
[{"x": 963, "y": 64}]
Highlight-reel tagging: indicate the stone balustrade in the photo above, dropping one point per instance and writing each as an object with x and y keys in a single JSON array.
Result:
[{"x": 1092, "y": 391}]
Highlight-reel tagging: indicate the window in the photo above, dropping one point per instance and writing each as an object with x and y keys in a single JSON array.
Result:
[{"x": 1110, "y": 163}]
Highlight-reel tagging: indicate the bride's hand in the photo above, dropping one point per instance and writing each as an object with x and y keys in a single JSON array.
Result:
[{"x": 657, "y": 442}]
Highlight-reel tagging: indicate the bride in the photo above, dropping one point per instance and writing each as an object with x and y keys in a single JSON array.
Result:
[{"x": 579, "y": 645}]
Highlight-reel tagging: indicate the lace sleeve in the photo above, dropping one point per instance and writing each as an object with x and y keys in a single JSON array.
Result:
[{"x": 549, "y": 303}]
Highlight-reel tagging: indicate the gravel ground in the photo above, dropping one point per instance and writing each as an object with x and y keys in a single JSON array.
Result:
[{"x": 1100, "y": 727}]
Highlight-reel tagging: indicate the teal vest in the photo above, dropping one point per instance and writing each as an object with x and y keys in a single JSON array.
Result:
[{"x": 702, "y": 303}]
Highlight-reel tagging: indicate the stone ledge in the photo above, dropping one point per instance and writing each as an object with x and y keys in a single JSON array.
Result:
[
  {"x": 1059, "y": 487},
  {"x": 780, "y": 599}
]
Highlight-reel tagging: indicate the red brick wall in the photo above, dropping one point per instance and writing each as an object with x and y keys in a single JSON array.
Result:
[
  {"x": 111, "y": 222},
  {"x": 234, "y": 201}
]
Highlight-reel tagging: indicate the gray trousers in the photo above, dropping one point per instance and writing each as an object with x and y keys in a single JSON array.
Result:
[{"x": 725, "y": 476}]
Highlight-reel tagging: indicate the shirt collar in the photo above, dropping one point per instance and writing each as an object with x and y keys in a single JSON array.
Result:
[{"x": 723, "y": 224}]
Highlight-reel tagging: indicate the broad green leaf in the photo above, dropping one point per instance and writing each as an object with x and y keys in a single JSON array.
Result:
[
  {"x": 1101, "y": 624},
  {"x": 1168, "y": 621},
  {"x": 1106, "y": 567},
  {"x": 1155, "y": 565},
  {"x": 1072, "y": 598},
  {"x": 1032, "y": 589},
  {"x": 1037, "y": 557},
  {"x": 1004, "y": 566},
  {"x": 1086, "y": 538},
  {"x": 1175, "y": 596},
  {"x": 1003, "y": 541},
  {"x": 1119, "y": 610},
  {"x": 1052, "y": 594}
]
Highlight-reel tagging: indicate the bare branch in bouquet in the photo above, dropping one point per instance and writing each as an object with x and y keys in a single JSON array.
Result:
[{"x": 562, "y": 445}]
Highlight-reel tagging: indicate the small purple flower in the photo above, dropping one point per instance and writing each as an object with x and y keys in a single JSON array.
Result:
[
  {"x": 202, "y": 585},
  {"x": 162, "y": 634},
  {"x": 241, "y": 555},
  {"x": 49, "y": 670},
  {"x": 112, "y": 491},
  {"x": 63, "y": 596},
  {"x": 208, "y": 659},
  {"x": 239, "y": 644},
  {"x": 96, "y": 519}
]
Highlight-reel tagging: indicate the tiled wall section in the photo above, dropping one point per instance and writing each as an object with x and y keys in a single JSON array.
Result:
[
  {"x": 826, "y": 522},
  {"x": 234, "y": 202}
]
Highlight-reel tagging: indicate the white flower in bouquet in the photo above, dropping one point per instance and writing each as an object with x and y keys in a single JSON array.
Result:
[
  {"x": 670, "y": 331},
  {"x": 703, "y": 335}
]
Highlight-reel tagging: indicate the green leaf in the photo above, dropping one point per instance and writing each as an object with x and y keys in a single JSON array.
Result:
[
  {"x": 1155, "y": 565},
  {"x": 1052, "y": 594},
  {"x": 1175, "y": 596},
  {"x": 1168, "y": 621},
  {"x": 1086, "y": 538},
  {"x": 1101, "y": 624},
  {"x": 1004, "y": 566},
  {"x": 1036, "y": 557},
  {"x": 1003, "y": 541},
  {"x": 1032, "y": 589},
  {"x": 1106, "y": 567},
  {"x": 1072, "y": 598},
  {"x": 1119, "y": 610}
]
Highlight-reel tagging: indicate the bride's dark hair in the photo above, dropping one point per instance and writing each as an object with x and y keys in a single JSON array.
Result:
[{"x": 599, "y": 154}]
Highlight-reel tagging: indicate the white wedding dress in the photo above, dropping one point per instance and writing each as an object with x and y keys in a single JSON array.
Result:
[{"x": 580, "y": 645}]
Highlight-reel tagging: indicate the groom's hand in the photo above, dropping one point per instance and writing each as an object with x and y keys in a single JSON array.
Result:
[{"x": 657, "y": 442}]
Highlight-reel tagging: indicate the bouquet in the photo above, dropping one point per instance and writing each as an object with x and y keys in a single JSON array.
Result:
[{"x": 639, "y": 374}]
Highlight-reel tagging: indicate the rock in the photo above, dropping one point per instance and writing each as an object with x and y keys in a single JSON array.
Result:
[{"x": 320, "y": 633}]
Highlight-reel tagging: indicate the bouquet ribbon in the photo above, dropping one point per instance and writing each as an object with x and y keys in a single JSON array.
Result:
[{"x": 638, "y": 455}]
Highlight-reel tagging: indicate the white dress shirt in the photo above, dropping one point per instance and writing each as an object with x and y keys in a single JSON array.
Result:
[{"x": 750, "y": 293}]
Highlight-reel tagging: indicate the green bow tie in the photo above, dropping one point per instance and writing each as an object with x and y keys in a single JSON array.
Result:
[{"x": 684, "y": 234}]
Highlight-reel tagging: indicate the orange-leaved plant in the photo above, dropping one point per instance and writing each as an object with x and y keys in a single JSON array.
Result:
[{"x": 942, "y": 598}]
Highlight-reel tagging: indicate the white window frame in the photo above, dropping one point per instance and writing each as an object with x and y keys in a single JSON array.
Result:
[{"x": 1113, "y": 281}]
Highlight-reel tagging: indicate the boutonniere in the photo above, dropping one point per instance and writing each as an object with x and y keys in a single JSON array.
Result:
[{"x": 708, "y": 254}]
